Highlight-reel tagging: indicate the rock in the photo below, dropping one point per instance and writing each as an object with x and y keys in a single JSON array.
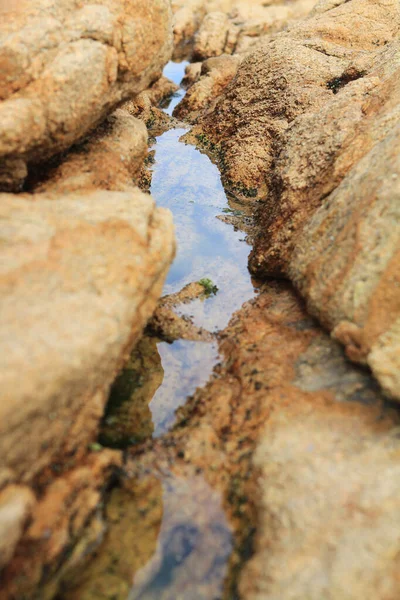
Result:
[
  {"x": 215, "y": 75},
  {"x": 213, "y": 27},
  {"x": 303, "y": 126},
  {"x": 147, "y": 106},
  {"x": 317, "y": 423},
  {"x": 16, "y": 503},
  {"x": 346, "y": 262},
  {"x": 328, "y": 507},
  {"x": 67, "y": 67},
  {"x": 192, "y": 74},
  {"x": 69, "y": 510},
  {"x": 211, "y": 37},
  {"x": 168, "y": 325},
  {"x": 99, "y": 258},
  {"x": 81, "y": 275},
  {"x": 109, "y": 159},
  {"x": 128, "y": 416},
  {"x": 289, "y": 75}
]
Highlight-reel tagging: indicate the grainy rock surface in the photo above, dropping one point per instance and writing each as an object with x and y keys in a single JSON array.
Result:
[
  {"x": 215, "y": 75},
  {"x": 67, "y": 65},
  {"x": 110, "y": 159},
  {"x": 309, "y": 121},
  {"x": 214, "y": 27},
  {"x": 285, "y": 390},
  {"x": 81, "y": 275}
]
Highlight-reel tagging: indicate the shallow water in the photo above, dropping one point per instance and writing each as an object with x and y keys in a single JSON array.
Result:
[
  {"x": 184, "y": 180},
  {"x": 169, "y": 537},
  {"x": 189, "y": 184}
]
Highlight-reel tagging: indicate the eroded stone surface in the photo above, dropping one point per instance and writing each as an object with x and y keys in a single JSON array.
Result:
[
  {"x": 302, "y": 127},
  {"x": 213, "y": 27},
  {"x": 110, "y": 159},
  {"x": 67, "y": 66},
  {"x": 215, "y": 75},
  {"x": 280, "y": 376},
  {"x": 81, "y": 275}
]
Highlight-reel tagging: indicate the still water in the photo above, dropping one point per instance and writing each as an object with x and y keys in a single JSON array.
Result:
[{"x": 169, "y": 537}]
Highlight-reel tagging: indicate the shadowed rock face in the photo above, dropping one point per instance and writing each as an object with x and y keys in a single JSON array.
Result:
[
  {"x": 310, "y": 125},
  {"x": 66, "y": 66}
]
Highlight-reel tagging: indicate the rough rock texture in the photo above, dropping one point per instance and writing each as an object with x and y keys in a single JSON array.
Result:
[
  {"x": 209, "y": 28},
  {"x": 211, "y": 39},
  {"x": 99, "y": 258},
  {"x": 67, "y": 65},
  {"x": 297, "y": 72},
  {"x": 80, "y": 277},
  {"x": 168, "y": 325},
  {"x": 215, "y": 75},
  {"x": 328, "y": 507},
  {"x": 146, "y": 106},
  {"x": 347, "y": 262},
  {"x": 109, "y": 159},
  {"x": 310, "y": 126},
  {"x": 281, "y": 380}
]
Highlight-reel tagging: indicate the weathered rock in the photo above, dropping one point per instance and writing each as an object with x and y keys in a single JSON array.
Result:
[
  {"x": 304, "y": 125},
  {"x": 328, "y": 509},
  {"x": 16, "y": 503},
  {"x": 168, "y": 325},
  {"x": 67, "y": 66},
  {"x": 211, "y": 38},
  {"x": 292, "y": 73},
  {"x": 128, "y": 417},
  {"x": 146, "y": 106},
  {"x": 213, "y": 27},
  {"x": 82, "y": 257},
  {"x": 281, "y": 379},
  {"x": 56, "y": 524},
  {"x": 347, "y": 262},
  {"x": 215, "y": 75},
  {"x": 81, "y": 275},
  {"x": 109, "y": 159},
  {"x": 192, "y": 74}
]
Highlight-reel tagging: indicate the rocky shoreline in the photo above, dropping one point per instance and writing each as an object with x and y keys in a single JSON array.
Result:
[{"x": 297, "y": 430}]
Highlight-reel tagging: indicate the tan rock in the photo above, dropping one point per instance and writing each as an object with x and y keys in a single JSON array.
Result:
[
  {"x": 346, "y": 262},
  {"x": 229, "y": 25},
  {"x": 16, "y": 504},
  {"x": 98, "y": 260},
  {"x": 211, "y": 37},
  {"x": 58, "y": 520},
  {"x": 66, "y": 67},
  {"x": 109, "y": 159},
  {"x": 215, "y": 75},
  {"x": 192, "y": 74},
  {"x": 310, "y": 125},
  {"x": 323, "y": 489},
  {"x": 289, "y": 75},
  {"x": 81, "y": 275},
  {"x": 146, "y": 106},
  {"x": 328, "y": 528}
]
